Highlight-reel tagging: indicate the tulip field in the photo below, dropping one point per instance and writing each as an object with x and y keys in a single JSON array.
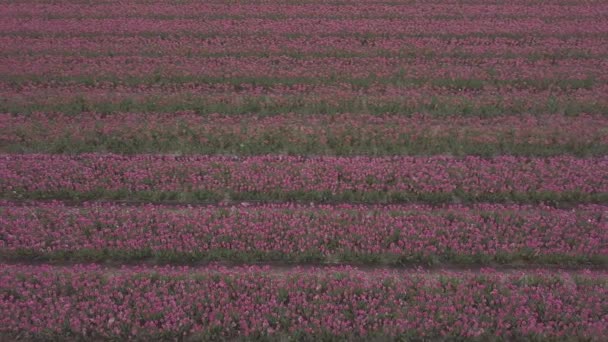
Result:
[{"x": 315, "y": 170}]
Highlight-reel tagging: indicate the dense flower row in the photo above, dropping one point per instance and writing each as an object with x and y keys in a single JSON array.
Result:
[
  {"x": 89, "y": 302},
  {"x": 522, "y": 35},
  {"x": 376, "y": 69},
  {"x": 283, "y": 177},
  {"x": 342, "y": 134},
  {"x": 310, "y": 26},
  {"x": 509, "y": 94},
  {"x": 290, "y": 233},
  {"x": 276, "y": 45},
  {"x": 556, "y": 16},
  {"x": 311, "y": 9}
]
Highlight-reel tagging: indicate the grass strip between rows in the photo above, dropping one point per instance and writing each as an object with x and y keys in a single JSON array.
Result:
[
  {"x": 265, "y": 105},
  {"x": 147, "y": 256}
]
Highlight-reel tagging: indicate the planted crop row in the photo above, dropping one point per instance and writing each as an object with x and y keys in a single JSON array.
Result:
[
  {"x": 454, "y": 94},
  {"x": 558, "y": 16},
  {"x": 343, "y": 134},
  {"x": 454, "y": 234},
  {"x": 114, "y": 9},
  {"x": 310, "y": 26},
  {"x": 42, "y": 302},
  {"x": 531, "y": 48},
  {"x": 271, "y": 178},
  {"x": 164, "y": 34}
]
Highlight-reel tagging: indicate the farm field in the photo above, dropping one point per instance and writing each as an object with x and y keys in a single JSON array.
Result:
[{"x": 317, "y": 170}]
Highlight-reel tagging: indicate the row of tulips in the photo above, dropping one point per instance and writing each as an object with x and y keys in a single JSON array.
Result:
[
  {"x": 317, "y": 9},
  {"x": 304, "y": 26},
  {"x": 301, "y": 47},
  {"x": 280, "y": 177},
  {"x": 90, "y": 302},
  {"x": 295, "y": 233}
]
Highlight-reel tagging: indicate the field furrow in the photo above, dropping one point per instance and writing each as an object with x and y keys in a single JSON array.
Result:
[{"x": 314, "y": 134}]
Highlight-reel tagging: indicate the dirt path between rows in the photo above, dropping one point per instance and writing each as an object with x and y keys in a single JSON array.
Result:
[
  {"x": 279, "y": 267},
  {"x": 261, "y": 203}
]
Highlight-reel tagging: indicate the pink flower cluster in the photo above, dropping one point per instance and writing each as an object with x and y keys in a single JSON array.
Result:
[
  {"x": 278, "y": 45},
  {"x": 450, "y": 98},
  {"x": 307, "y": 70},
  {"x": 289, "y": 232},
  {"x": 305, "y": 26},
  {"x": 283, "y": 174},
  {"x": 90, "y": 302},
  {"x": 316, "y": 9}
]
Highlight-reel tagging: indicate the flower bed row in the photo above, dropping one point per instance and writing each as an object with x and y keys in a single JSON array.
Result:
[
  {"x": 385, "y": 179},
  {"x": 355, "y": 9},
  {"x": 89, "y": 302},
  {"x": 310, "y": 26},
  {"x": 463, "y": 96},
  {"x": 292, "y": 233},
  {"x": 312, "y": 46},
  {"x": 342, "y": 134}
]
